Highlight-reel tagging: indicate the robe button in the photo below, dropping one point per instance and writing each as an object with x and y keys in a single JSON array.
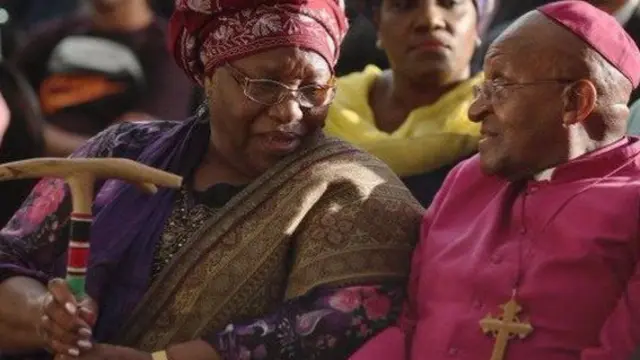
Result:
[
  {"x": 496, "y": 259},
  {"x": 453, "y": 351},
  {"x": 477, "y": 304}
]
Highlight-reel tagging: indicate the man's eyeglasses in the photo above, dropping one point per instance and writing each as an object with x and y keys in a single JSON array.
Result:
[
  {"x": 497, "y": 91},
  {"x": 271, "y": 92}
]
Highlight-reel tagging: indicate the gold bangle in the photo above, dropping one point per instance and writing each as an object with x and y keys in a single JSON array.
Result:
[{"x": 160, "y": 355}]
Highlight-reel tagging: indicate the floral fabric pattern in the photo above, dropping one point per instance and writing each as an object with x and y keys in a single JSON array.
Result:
[
  {"x": 39, "y": 229},
  {"x": 321, "y": 325}
]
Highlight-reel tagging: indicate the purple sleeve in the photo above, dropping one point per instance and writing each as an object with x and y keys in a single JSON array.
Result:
[
  {"x": 35, "y": 238},
  {"x": 34, "y": 242},
  {"x": 325, "y": 324}
]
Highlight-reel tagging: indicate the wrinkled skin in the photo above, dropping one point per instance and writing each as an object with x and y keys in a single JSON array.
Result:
[
  {"x": 242, "y": 145},
  {"x": 530, "y": 128}
]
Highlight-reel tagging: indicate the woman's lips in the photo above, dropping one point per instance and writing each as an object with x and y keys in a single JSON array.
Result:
[
  {"x": 432, "y": 45},
  {"x": 281, "y": 142}
]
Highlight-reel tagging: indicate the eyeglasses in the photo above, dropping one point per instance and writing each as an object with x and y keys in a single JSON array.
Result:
[
  {"x": 497, "y": 91},
  {"x": 271, "y": 92}
]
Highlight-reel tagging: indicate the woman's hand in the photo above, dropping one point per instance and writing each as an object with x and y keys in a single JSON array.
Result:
[
  {"x": 108, "y": 352},
  {"x": 65, "y": 324}
]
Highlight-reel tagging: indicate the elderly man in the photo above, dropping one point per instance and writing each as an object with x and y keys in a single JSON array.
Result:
[{"x": 530, "y": 250}]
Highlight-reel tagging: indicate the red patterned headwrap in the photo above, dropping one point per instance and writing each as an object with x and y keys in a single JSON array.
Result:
[{"x": 204, "y": 34}]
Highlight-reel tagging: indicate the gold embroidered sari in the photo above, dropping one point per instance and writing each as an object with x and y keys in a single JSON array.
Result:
[{"x": 330, "y": 215}]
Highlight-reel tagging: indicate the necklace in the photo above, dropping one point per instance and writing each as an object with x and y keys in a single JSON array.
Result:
[{"x": 508, "y": 325}]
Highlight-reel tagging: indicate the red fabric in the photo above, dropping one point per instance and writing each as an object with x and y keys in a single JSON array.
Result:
[
  {"x": 601, "y": 31},
  {"x": 204, "y": 34}
]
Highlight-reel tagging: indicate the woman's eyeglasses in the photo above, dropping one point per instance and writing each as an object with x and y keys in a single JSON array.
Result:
[{"x": 271, "y": 92}]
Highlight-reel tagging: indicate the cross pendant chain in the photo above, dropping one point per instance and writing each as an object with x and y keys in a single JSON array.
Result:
[{"x": 505, "y": 327}]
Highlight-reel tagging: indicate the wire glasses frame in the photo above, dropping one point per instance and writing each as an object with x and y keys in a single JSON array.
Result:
[
  {"x": 497, "y": 91},
  {"x": 271, "y": 92}
]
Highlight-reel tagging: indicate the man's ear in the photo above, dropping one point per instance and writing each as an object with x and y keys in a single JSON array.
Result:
[{"x": 579, "y": 102}]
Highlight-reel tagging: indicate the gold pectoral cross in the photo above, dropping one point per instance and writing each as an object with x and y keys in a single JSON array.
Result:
[{"x": 505, "y": 327}]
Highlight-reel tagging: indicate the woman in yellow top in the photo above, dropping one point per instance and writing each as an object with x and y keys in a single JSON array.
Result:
[{"x": 414, "y": 116}]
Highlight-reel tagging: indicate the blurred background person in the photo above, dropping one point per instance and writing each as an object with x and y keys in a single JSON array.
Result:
[
  {"x": 22, "y": 138},
  {"x": 95, "y": 67},
  {"x": 414, "y": 115},
  {"x": 359, "y": 47}
]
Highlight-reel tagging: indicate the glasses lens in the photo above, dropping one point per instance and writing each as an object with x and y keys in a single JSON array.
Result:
[
  {"x": 265, "y": 91},
  {"x": 316, "y": 96}
]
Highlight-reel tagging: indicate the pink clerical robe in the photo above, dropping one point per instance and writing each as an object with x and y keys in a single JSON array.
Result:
[{"x": 574, "y": 239}]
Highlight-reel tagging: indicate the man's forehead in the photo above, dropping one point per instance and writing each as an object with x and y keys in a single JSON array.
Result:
[
  {"x": 511, "y": 54},
  {"x": 532, "y": 29},
  {"x": 501, "y": 61},
  {"x": 533, "y": 41}
]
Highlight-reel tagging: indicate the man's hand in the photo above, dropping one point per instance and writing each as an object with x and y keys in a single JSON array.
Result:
[{"x": 66, "y": 324}]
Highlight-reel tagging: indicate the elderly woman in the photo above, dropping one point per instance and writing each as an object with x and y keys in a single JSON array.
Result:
[
  {"x": 281, "y": 244},
  {"x": 414, "y": 116}
]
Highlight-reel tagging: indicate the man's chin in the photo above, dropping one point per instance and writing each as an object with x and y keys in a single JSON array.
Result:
[
  {"x": 489, "y": 166},
  {"x": 501, "y": 171},
  {"x": 488, "y": 170}
]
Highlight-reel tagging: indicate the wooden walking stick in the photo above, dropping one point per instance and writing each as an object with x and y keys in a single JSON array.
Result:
[{"x": 80, "y": 175}]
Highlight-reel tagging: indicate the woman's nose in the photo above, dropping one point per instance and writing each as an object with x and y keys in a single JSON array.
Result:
[
  {"x": 430, "y": 15},
  {"x": 287, "y": 111}
]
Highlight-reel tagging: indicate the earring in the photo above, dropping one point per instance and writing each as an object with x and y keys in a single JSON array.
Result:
[
  {"x": 379, "y": 44},
  {"x": 478, "y": 42}
]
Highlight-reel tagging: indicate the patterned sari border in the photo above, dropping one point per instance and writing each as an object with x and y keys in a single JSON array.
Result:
[{"x": 238, "y": 208}]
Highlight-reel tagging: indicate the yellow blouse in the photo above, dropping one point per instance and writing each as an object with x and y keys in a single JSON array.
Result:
[{"x": 431, "y": 137}]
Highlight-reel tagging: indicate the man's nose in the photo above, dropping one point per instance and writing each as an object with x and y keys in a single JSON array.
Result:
[{"x": 479, "y": 109}]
